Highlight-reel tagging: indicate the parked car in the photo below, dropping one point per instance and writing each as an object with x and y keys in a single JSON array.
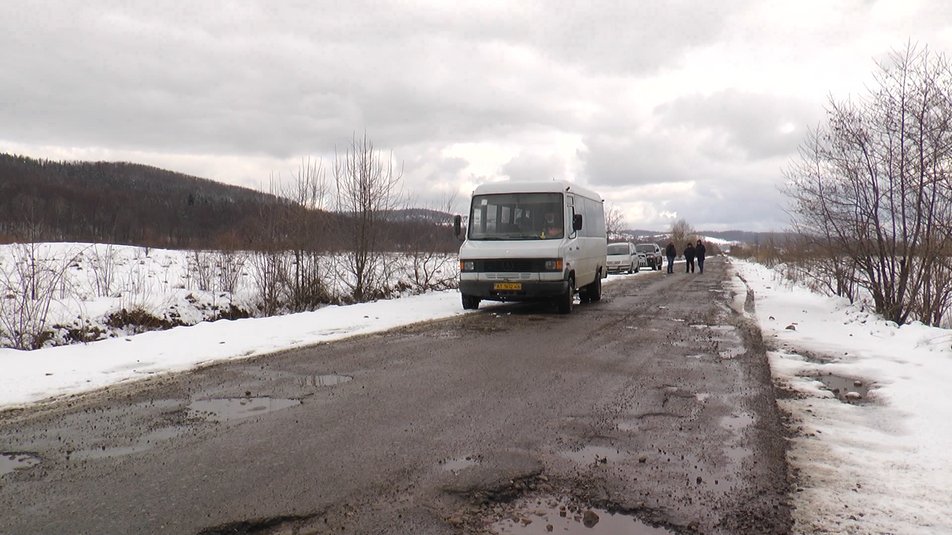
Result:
[
  {"x": 622, "y": 257},
  {"x": 642, "y": 260},
  {"x": 652, "y": 253}
]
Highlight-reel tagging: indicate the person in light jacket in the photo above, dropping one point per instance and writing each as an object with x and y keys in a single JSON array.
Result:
[
  {"x": 671, "y": 253},
  {"x": 699, "y": 251}
]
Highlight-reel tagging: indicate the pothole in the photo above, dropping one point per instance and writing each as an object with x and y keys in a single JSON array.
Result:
[
  {"x": 224, "y": 409},
  {"x": 325, "y": 380},
  {"x": 17, "y": 461},
  {"x": 552, "y": 515},
  {"x": 144, "y": 443},
  {"x": 594, "y": 455},
  {"x": 645, "y": 421},
  {"x": 846, "y": 389}
]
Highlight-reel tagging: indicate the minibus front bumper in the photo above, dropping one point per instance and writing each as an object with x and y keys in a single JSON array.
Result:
[{"x": 513, "y": 291}]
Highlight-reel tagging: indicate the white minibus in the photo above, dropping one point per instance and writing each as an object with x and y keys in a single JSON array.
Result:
[{"x": 532, "y": 241}]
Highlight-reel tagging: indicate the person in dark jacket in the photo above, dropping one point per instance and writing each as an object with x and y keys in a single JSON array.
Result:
[
  {"x": 699, "y": 251},
  {"x": 689, "y": 258},
  {"x": 671, "y": 253}
]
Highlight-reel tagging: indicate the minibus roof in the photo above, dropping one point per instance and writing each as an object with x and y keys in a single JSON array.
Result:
[{"x": 554, "y": 186}]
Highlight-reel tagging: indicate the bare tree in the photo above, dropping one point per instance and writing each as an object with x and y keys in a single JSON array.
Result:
[
  {"x": 367, "y": 190},
  {"x": 614, "y": 222},
  {"x": 873, "y": 185},
  {"x": 681, "y": 231},
  {"x": 306, "y": 227}
]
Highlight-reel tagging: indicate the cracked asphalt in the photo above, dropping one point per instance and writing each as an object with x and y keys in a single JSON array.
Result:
[{"x": 655, "y": 402}]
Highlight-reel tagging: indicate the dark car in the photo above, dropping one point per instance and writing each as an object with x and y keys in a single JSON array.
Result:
[{"x": 652, "y": 253}]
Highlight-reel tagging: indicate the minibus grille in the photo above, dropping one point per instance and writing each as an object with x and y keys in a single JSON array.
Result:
[{"x": 510, "y": 265}]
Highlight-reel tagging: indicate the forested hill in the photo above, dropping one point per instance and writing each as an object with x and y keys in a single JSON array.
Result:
[
  {"x": 132, "y": 204},
  {"x": 122, "y": 203}
]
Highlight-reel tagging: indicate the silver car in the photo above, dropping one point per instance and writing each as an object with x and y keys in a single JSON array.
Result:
[{"x": 622, "y": 257}]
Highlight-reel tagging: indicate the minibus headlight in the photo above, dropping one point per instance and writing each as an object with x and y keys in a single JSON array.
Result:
[
  {"x": 467, "y": 265},
  {"x": 553, "y": 265}
]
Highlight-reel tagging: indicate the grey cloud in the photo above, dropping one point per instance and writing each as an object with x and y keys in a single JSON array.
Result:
[
  {"x": 738, "y": 204},
  {"x": 748, "y": 122},
  {"x": 618, "y": 37},
  {"x": 636, "y": 160},
  {"x": 225, "y": 78},
  {"x": 534, "y": 168}
]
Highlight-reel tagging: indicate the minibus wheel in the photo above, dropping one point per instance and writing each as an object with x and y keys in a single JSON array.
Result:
[
  {"x": 595, "y": 289},
  {"x": 470, "y": 302},
  {"x": 565, "y": 301}
]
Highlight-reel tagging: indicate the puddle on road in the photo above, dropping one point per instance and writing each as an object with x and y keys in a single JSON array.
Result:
[
  {"x": 544, "y": 516},
  {"x": 236, "y": 408},
  {"x": 732, "y": 353},
  {"x": 144, "y": 443},
  {"x": 737, "y": 421},
  {"x": 594, "y": 455},
  {"x": 723, "y": 340},
  {"x": 458, "y": 465},
  {"x": 16, "y": 461},
  {"x": 846, "y": 389},
  {"x": 325, "y": 380},
  {"x": 736, "y": 454}
]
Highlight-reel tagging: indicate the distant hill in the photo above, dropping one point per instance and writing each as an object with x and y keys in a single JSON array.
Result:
[
  {"x": 122, "y": 203},
  {"x": 737, "y": 236},
  {"x": 133, "y": 204}
]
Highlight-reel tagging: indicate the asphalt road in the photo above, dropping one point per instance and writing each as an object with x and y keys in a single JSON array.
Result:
[{"x": 655, "y": 404}]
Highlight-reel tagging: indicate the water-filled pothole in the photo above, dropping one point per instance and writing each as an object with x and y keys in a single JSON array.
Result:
[
  {"x": 461, "y": 463},
  {"x": 235, "y": 408},
  {"x": 846, "y": 389},
  {"x": 325, "y": 380},
  {"x": 544, "y": 516},
  {"x": 17, "y": 461}
]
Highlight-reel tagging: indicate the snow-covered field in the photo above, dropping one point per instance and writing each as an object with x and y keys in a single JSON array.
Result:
[
  {"x": 87, "y": 292},
  {"x": 873, "y": 462}
]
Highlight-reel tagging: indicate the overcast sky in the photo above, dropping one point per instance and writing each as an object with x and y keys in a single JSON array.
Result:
[{"x": 668, "y": 109}]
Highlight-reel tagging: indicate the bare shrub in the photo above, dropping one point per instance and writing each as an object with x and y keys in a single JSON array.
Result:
[
  {"x": 29, "y": 284},
  {"x": 230, "y": 266},
  {"x": 269, "y": 271},
  {"x": 432, "y": 270},
  {"x": 202, "y": 269},
  {"x": 102, "y": 265}
]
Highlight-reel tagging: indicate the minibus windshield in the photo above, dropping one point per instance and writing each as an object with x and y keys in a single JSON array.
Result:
[{"x": 516, "y": 216}]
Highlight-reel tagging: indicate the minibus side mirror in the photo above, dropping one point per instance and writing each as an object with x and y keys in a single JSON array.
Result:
[
  {"x": 457, "y": 226},
  {"x": 577, "y": 222}
]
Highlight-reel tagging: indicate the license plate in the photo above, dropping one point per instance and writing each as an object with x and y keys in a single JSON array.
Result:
[{"x": 507, "y": 286}]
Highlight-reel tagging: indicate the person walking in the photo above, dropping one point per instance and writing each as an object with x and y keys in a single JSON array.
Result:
[
  {"x": 699, "y": 251},
  {"x": 671, "y": 253},
  {"x": 689, "y": 258}
]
